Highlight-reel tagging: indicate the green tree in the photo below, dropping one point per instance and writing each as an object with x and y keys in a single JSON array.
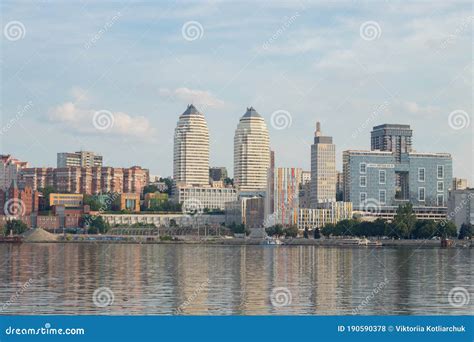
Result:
[
  {"x": 424, "y": 229},
  {"x": 46, "y": 191},
  {"x": 276, "y": 230},
  {"x": 306, "y": 233},
  {"x": 404, "y": 221},
  {"x": 17, "y": 227},
  {"x": 169, "y": 184},
  {"x": 291, "y": 231},
  {"x": 93, "y": 202},
  {"x": 465, "y": 231},
  {"x": 95, "y": 224},
  {"x": 446, "y": 229},
  {"x": 228, "y": 181},
  {"x": 316, "y": 233},
  {"x": 151, "y": 188}
]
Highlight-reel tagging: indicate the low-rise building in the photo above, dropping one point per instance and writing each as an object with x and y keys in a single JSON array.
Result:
[
  {"x": 152, "y": 199},
  {"x": 163, "y": 220},
  {"x": 129, "y": 202},
  {"x": 328, "y": 212},
  {"x": 66, "y": 200},
  {"x": 204, "y": 197}
]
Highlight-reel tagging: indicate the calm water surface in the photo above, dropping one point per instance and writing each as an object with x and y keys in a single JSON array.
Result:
[{"x": 232, "y": 280}]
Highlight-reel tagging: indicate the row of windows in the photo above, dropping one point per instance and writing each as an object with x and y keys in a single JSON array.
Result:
[
  {"x": 382, "y": 179},
  {"x": 421, "y": 197},
  {"x": 382, "y": 197},
  {"x": 439, "y": 173}
]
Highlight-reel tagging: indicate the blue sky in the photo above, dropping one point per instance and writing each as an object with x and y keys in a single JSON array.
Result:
[{"x": 350, "y": 65}]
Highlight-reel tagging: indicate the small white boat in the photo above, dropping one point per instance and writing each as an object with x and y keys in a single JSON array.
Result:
[{"x": 268, "y": 240}]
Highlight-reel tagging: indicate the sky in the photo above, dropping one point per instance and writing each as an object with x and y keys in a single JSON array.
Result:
[{"x": 114, "y": 76}]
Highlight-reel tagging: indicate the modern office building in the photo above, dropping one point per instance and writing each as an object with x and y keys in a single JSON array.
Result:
[
  {"x": 251, "y": 153},
  {"x": 382, "y": 180},
  {"x": 86, "y": 180},
  {"x": 204, "y": 197},
  {"x": 339, "y": 185},
  {"x": 461, "y": 206},
  {"x": 78, "y": 159},
  {"x": 217, "y": 174},
  {"x": 247, "y": 210},
  {"x": 191, "y": 149},
  {"x": 393, "y": 138},
  {"x": 323, "y": 168},
  {"x": 329, "y": 212},
  {"x": 285, "y": 186},
  {"x": 9, "y": 170}
]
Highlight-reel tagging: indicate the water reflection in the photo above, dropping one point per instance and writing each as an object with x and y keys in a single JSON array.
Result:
[{"x": 231, "y": 280}]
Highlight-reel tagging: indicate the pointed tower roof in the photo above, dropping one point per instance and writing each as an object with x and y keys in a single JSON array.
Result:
[
  {"x": 251, "y": 113},
  {"x": 191, "y": 110}
]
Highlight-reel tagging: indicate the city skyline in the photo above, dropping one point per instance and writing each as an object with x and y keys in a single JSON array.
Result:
[{"x": 308, "y": 70}]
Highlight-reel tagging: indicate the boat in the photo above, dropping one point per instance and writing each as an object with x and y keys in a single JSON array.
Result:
[{"x": 268, "y": 240}]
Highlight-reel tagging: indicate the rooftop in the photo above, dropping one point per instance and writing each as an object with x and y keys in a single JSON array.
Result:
[
  {"x": 251, "y": 113},
  {"x": 191, "y": 110}
]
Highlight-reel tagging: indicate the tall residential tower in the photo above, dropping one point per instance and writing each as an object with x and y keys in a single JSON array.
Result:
[
  {"x": 191, "y": 149},
  {"x": 251, "y": 153}
]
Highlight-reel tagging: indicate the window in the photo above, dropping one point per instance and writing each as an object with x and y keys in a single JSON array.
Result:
[
  {"x": 363, "y": 197},
  {"x": 421, "y": 174},
  {"x": 440, "y": 186},
  {"x": 440, "y": 200},
  {"x": 421, "y": 194},
  {"x": 363, "y": 167},
  {"x": 382, "y": 176},
  {"x": 440, "y": 171},
  {"x": 382, "y": 196},
  {"x": 363, "y": 181}
]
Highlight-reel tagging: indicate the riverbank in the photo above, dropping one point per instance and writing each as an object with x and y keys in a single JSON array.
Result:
[{"x": 42, "y": 236}]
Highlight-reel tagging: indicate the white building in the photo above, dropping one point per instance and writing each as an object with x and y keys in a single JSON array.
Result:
[
  {"x": 323, "y": 169},
  {"x": 9, "y": 170},
  {"x": 191, "y": 149},
  {"x": 79, "y": 159},
  {"x": 461, "y": 207},
  {"x": 329, "y": 212},
  {"x": 199, "y": 198},
  {"x": 251, "y": 152}
]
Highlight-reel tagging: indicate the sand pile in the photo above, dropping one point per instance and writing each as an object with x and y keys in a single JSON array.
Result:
[{"x": 38, "y": 235}]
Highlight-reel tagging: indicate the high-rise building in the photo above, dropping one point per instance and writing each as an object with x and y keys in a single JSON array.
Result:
[
  {"x": 305, "y": 189},
  {"x": 286, "y": 195},
  {"x": 392, "y": 137},
  {"x": 461, "y": 207},
  {"x": 217, "y": 174},
  {"x": 323, "y": 169},
  {"x": 9, "y": 170},
  {"x": 79, "y": 159},
  {"x": 191, "y": 149},
  {"x": 251, "y": 152}
]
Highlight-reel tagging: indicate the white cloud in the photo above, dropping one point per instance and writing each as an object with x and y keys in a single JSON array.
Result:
[
  {"x": 200, "y": 98},
  {"x": 85, "y": 120}
]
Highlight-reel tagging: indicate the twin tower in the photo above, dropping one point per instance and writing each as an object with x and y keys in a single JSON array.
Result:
[{"x": 251, "y": 151}]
